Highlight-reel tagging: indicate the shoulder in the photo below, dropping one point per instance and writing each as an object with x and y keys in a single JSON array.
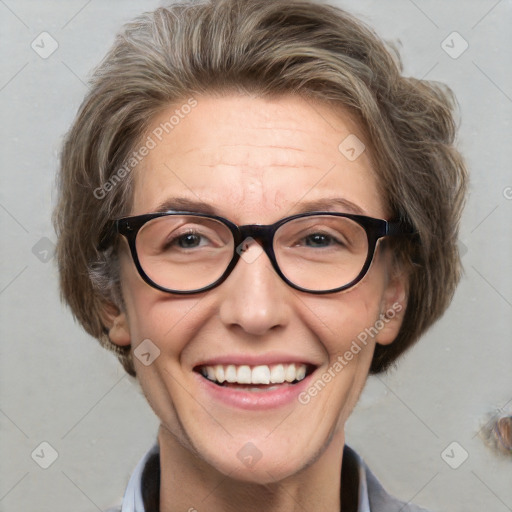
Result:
[
  {"x": 381, "y": 501},
  {"x": 372, "y": 495}
]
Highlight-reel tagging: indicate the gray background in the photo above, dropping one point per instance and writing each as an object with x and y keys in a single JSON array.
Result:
[{"x": 58, "y": 386}]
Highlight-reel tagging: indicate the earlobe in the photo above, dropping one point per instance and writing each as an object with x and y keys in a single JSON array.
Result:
[{"x": 116, "y": 324}]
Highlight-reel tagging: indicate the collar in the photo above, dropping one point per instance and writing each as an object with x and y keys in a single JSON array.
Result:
[
  {"x": 132, "y": 500},
  {"x": 355, "y": 473}
]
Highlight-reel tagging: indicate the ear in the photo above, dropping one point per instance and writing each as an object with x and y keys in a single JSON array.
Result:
[
  {"x": 116, "y": 323},
  {"x": 392, "y": 309}
]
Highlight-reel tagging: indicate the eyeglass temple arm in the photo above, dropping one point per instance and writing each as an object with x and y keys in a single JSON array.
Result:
[
  {"x": 400, "y": 228},
  {"x": 107, "y": 237}
]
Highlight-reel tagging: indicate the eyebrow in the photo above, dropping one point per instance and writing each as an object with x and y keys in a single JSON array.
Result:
[
  {"x": 332, "y": 204},
  {"x": 184, "y": 204}
]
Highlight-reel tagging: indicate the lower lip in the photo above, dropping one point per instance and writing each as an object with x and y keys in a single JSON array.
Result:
[{"x": 284, "y": 394}]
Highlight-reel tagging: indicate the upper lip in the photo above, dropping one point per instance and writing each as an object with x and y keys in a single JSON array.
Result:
[{"x": 255, "y": 360}]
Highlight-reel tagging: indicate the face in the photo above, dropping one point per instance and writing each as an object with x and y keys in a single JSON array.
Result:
[{"x": 255, "y": 161}]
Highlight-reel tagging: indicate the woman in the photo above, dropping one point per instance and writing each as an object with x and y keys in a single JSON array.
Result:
[{"x": 256, "y": 210}]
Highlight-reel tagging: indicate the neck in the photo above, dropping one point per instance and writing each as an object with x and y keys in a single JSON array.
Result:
[{"x": 188, "y": 483}]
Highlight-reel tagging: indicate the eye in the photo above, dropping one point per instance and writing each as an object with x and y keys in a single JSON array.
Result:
[
  {"x": 319, "y": 240},
  {"x": 188, "y": 241}
]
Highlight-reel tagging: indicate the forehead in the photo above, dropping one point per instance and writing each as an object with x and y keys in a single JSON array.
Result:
[{"x": 254, "y": 159}]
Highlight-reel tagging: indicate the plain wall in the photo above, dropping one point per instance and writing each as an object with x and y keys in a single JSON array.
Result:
[{"x": 58, "y": 386}]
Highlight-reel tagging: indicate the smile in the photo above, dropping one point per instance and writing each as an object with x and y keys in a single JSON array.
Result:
[
  {"x": 224, "y": 375},
  {"x": 253, "y": 382}
]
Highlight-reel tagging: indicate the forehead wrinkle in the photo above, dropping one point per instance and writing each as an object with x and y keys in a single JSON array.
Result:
[
  {"x": 244, "y": 169},
  {"x": 256, "y": 156},
  {"x": 260, "y": 158},
  {"x": 264, "y": 146},
  {"x": 201, "y": 150}
]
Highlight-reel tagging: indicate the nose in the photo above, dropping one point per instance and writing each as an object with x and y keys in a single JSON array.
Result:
[{"x": 254, "y": 296}]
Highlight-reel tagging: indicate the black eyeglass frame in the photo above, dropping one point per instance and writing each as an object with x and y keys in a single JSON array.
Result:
[{"x": 264, "y": 234}]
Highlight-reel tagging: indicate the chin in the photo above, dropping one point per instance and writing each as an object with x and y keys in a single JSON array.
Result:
[
  {"x": 259, "y": 461},
  {"x": 263, "y": 472}
]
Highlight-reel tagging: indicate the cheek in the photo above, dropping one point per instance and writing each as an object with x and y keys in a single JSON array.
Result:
[
  {"x": 343, "y": 325},
  {"x": 341, "y": 319},
  {"x": 155, "y": 315},
  {"x": 164, "y": 320}
]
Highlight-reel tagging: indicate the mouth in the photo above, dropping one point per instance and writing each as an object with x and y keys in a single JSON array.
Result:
[{"x": 255, "y": 378}]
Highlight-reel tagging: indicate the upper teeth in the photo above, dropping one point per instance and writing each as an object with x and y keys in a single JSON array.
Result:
[{"x": 244, "y": 374}]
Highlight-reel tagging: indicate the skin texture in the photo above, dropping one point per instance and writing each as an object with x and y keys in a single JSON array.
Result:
[{"x": 254, "y": 160}]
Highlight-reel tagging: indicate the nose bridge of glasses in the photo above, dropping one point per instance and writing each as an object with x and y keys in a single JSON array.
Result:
[{"x": 260, "y": 233}]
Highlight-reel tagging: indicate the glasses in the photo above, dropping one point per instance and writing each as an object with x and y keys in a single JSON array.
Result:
[{"x": 317, "y": 252}]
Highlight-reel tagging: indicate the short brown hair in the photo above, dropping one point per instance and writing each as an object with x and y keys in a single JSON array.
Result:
[{"x": 268, "y": 48}]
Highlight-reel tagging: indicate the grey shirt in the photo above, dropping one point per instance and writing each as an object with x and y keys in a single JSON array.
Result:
[{"x": 360, "y": 491}]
